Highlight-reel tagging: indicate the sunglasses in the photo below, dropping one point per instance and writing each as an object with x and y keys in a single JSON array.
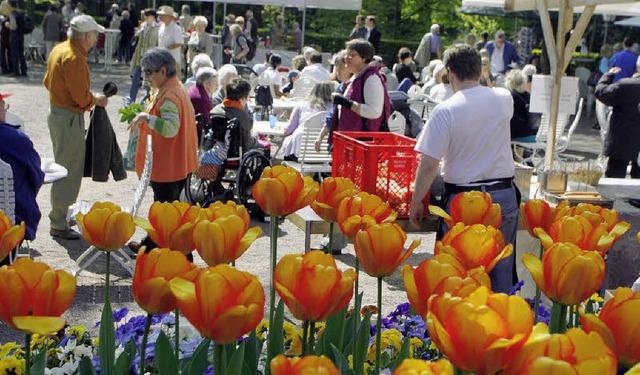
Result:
[{"x": 148, "y": 72}]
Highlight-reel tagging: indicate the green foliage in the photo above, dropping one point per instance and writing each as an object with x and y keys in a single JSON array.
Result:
[
  {"x": 86, "y": 367},
  {"x": 479, "y": 24},
  {"x": 275, "y": 341},
  {"x": 362, "y": 342},
  {"x": 403, "y": 354},
  {"x": 165, "y": 359},
  {"x": 128, "y": 113},
  {"x": 107, "y": 336},
  {"x": 39, "y": 362},
  {"x": 200, "y": 360},
  {"x": 123, "y": 363}
]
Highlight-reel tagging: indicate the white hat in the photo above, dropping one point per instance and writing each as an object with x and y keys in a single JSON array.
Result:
[
  {"x": 166, "y": 10},
  {"x": 85, "y": 23}
]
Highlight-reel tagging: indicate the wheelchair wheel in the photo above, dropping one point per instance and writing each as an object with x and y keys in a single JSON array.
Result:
[
  {"x": 198, "y": 190},
  {"x": 251, "y": 167}
]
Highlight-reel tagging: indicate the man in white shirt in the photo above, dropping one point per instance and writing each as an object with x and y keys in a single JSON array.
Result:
[
  {"x": 315, "y": 70},
  {"x": 470, "y": 133},
  {"x": 170, "y": 35}
]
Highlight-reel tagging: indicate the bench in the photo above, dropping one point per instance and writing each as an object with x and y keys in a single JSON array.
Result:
[{"x": 308, "y": 221}]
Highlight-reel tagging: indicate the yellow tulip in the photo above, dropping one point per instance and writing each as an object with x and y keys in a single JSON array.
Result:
[
  {"x": 281, "y": 191},
  {"x": 567, "y": 274},
  {"x": 34, "y": 296},
  {"x": 635, "y": 370},
  {"x": 481, "y": 332},
  {"x": 222, "y": 302},
  {"x": 312, "y": 286},
  {"x": 308, "y": 365},
  {"x": 171, "y": 225},
  {"x": 471, "y": 207},
  {"x": 420, "y": 367},
  {"x": 574, "y": 352},
  {"x": 106, "y": 226},
  {"x": 223, "y": 240},
  {"x": 218, "y": 209},
  {"x": 440, "y": 274},
  {"x": 332, "y": 191},
  {"x": 475, "y": 246},
  {"x": 619, "y": 325},
  {"x": 380, "y": 248},
  {"x": 360, "y": 210},
  {"x": 10, "y": 235}
]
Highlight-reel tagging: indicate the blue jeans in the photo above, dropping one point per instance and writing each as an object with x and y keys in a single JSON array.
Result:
[
  {"x": 136, "y": 82},
  {"x": 502, "y": 274}
]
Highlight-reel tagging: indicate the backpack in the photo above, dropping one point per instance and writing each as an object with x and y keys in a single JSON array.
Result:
[
  {"x": 27, "y": 24},
  {"x": 252, "y": 47},
  {"x": 264, "y": 100}
]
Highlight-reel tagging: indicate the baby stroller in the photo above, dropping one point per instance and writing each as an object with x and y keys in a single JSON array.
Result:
[{"x": 226, "y": 172}]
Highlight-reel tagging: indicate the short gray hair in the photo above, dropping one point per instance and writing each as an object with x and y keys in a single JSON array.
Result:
[
  {"x": 200, "y": 60},
  {"x": 200, "y": 20},
  {"x": 226, "y": 73},
  {"x": 205, "y": 74},
  {"x": 156, "y": 58}
]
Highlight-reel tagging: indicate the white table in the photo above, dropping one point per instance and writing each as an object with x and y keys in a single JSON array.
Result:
[
  {"x": 54, "y": 172},
  {"x": 279, "y": 104},
  {"x": 264, "y": 128}
]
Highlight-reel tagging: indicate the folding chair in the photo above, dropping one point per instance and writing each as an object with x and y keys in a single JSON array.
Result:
[
  {"x": 91, "y": 254},
  {"x": 396, "y": 123}
]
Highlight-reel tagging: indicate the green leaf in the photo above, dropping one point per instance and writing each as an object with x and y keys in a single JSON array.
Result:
[
  {"x": 275, "y": 341},
  {"x": 362, "y": 343},
  {"x": 199, "y": 362},
  {"x": 236, "y": 361},
  {"x": 229, "y": 351},
  {"x": 252, "y": 350},
  {"x": 402, "y": 354},
  {"x": 86, "y": 367},
  {"x": 341, "y": 361},
  {"x": 123, "y": 363},
  {"x": 39, "y": 362},
  {"x": 107, "y": 344},
  {"x": 128, "y": 113},
  {"x": 333, "y": 333},
  {"x": 165, "y": 359}
]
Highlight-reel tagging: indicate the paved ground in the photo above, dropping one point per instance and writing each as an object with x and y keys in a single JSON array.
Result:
[{"x": 31, "y": 103}]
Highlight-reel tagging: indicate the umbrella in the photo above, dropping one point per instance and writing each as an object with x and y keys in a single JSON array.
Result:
[{"x": 632, "y": 22}]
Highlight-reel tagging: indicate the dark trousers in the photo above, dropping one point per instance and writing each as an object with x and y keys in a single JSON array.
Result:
[
  {"x": 167, "y": 191},
  {"x": 617, "y": 168},
  {"x": 16, "y": 55},
  {"x": 4, "y": 58}
]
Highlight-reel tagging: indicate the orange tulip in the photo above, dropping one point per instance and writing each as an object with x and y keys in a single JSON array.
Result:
[
  {"x": 619, "y": 324},
  {"x": 537, "y": 213},
  {"x": 380, "y": 248},
  {"x": 567, "y": 274},
  {"x": 332, "y": 191},
  {"x": 151, "y": 279},
  {"x": 171, "y": 225},
  {"x": 420, "y": 367},
  {"x": 474, "y": 246},
  {"x": 223, "y": 240},
  {"x": 574, "y": 352},
  {"x": 34, "y": 296},
  {"x": 440, "y": 274},
  {"x": 595, "y": 214},
  {"x": 580, "y": 231},
  {"x": 312, "y": 286},
  {"x": 360, "y": 210},
  {"x": 481, "y": 332},
  {"x": 222, "y": 302},
  {"x": 471, "y": 207},
  {"x": 10, "y": 235},
  {"x": 106, "y": 226},
  {"x": 281, "y": 191},
  {"x": 218, "y": 209},
  {"x": 308, "y": 365}
]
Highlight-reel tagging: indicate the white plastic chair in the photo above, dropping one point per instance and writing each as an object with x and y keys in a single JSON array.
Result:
[
  {"x": 91, "y": 254},
  {"x": 8, "y": 204},
  {"x": 302, "y": 87},
  {"x": 396, "y": 123},
  {"x": 15, "y": 120},
  {"x": 311, "y": 161},
  {"x": 34, "y": 49}
]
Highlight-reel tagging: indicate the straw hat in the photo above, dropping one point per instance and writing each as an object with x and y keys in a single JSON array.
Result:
[{"x": 166, "y": 10}]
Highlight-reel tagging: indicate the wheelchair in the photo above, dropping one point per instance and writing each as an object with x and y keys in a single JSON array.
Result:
[{"x": 226, "y": 172}]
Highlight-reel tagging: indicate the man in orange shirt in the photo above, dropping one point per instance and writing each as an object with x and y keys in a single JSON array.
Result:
[{"x": 68, "y": 82}]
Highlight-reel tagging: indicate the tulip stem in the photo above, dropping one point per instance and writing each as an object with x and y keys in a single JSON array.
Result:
[
  {"x": 558, "y": 322},
  {"x": 356, "y": 310},
  {"x": 219, "y": 364},
  {"x": 305, "y": 336},
  {"x": 536, "y": 303},
  {"x": 177, "y": 337},
  {"x": 331, "y": 238},
  {"x": 312, "y": 332},
  {"x": 143, "y": 347},
  {"x": 27, "y": 354},
  {"x": 274, "y": 256},
  {"x": 378, "y": 326}
]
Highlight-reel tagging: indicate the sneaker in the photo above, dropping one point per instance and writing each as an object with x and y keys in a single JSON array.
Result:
[
  {"x": 291, "y": 158},
  {"x": 66, "y": 234},
  {"x": 127, "y": 101}
]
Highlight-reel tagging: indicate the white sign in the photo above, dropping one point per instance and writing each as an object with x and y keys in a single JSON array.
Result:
[{"x": 541, "y": 88}]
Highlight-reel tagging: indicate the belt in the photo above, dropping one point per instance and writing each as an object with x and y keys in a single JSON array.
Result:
[{"x": 484, "y": 185}]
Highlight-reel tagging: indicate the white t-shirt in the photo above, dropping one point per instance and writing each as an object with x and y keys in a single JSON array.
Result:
[
  {"x": 470, "y": 133},
  {"x": 271, "y": 77},
  {"x": 171, "y": 34},
  {"x": 497, "y": 60},
  {"x": 315, "y": 71},
  {"x": 441, "y": 92}
]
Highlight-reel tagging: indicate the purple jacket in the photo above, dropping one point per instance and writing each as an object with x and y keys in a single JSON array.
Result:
[{"x": 201, "y": 104}]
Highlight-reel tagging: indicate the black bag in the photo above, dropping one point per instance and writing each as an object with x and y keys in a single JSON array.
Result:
[
  {"x": 27, "y": 24},
  {"x": 594, "y": 78},
  {"x": 252, "y": 47},
  {"x": 263, "y": 96}
]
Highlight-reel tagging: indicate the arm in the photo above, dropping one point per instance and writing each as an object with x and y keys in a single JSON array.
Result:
[
  {"x": 167, "y": 124},
  {"x": 245, "y": 50},
  {"x": 294, "y": 121},
  {"x": 607, "y": 92},
  {"x": 374, "y": 99},
  {"x": 79, "y": 89},
  {"x": 321, "y": 136},
  {"x": 424, "y": 178}
]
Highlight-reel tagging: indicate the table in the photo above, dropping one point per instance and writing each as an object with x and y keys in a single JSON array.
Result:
[
  {"x": 53, "y": 172},
  {"x": 279, "y": 104},
  {"x": 264, "y": 128}
]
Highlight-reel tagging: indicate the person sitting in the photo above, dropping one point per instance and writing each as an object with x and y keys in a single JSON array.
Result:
[
  {"x": 233, "y": 106},
  {"x": 271, "y": 77},
  {"x": 226, "y": 74},
  {"x": 200, "y": 95},
  {"x": 522, "y": 129},
  {"x": 259, "y": 68},
  {"x": 319, "y": 100},
  {"x": 16, "y": 149},
  {"x": 292, "y": 77},
  {"x": 199, "y": 61},
  {"x": 405, "y": 66},
  {"x": 315, "y": 70},
  {"x": 442, "y": 90}
]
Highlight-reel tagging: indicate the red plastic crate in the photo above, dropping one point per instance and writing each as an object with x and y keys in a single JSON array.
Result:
[{"x": 379, "y": 163}]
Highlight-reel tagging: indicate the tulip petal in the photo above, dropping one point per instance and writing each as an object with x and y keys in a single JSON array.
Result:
[
  {"x": 534, "y": 265},
  {"x": 11, "y": 238},
  {"x": 42, "y": 325}
]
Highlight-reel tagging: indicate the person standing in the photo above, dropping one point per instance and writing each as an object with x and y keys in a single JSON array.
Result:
[
  {"x": 4, "y": 45},
  {"x": 502, "y": 54},
  {"x": 251, "y": 26},
  {"x": 373, "y": 34},
  {"x": 470, "y": 133},
  {"x": 359, "y": 29},
  {"x": 147, "y": 39},
  {"x": 239, "y": 45},
  {"x": 68, "y": 82},
  {"x": 170, "y": 35},
  {"x": 430, "y": 47},
  {"x": 625, "y": 60},
  {"x": 278, "y": 33},
  {"x": 127, "y": 30},
  {"x": 17, "y": 60},
  {"x": 622, "y": 143},
  {"x": 52, "y": 25}
]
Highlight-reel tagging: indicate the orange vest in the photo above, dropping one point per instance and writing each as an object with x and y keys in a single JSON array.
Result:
[{"x": 173, "y": 158}]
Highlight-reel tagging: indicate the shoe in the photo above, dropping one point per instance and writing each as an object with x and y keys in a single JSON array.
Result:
[
  {"x": 66, "y": 234},
  {"x": 133, "y": 247},
  {"x": 291, "y": 158}
]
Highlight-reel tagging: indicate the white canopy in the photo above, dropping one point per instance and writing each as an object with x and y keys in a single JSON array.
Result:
[{"x": 630, "y": 22}]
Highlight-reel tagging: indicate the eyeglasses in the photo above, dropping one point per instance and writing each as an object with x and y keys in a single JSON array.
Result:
[{"x": 148, "y": 72}]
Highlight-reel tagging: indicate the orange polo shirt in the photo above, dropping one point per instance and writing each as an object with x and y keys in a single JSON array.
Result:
[{"x": 67, "y": 77}]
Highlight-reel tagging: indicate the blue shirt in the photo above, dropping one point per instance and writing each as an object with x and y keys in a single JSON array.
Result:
[{"x": 626, "y": 61}]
